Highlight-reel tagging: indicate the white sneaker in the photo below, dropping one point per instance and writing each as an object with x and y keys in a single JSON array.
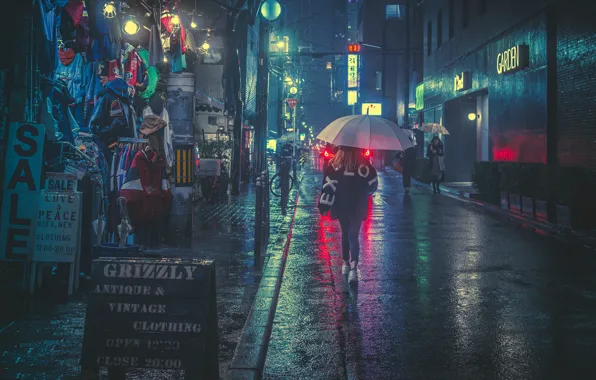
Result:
[
  {"x": 345, "y": 268},
  {"x": 353, "y": 273}
]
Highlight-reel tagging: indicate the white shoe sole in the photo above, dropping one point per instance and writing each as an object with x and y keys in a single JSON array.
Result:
[{"x": 353, "y": 276}]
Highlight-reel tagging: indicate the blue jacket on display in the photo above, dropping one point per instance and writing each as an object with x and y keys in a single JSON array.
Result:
[{"x": 70, "y": 69}]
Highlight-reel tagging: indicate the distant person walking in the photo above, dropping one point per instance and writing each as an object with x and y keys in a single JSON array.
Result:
[
  {"x": 348, "y": 182},
  {"x": 435, "y": 155},
  {"x": 408, "y": 161}
]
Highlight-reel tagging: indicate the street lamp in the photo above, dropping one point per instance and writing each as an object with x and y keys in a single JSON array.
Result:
[
  {"x": 270, "y": 10},
  {"x": 293, "y": 90}
]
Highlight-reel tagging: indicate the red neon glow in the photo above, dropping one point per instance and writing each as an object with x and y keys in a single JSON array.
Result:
[
  {"x": 328, "y": 155},
  {"x": 519, "y": 146},
  {"x": 367, "y": 153}
]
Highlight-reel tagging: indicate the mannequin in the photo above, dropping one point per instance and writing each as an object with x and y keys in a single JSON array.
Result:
[{"x": 146, "y": 188}]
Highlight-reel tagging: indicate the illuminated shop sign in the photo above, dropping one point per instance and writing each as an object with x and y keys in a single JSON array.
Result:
[
  {"x": 352, "y": 71},
  {"x": 462, "y": 81},
  {"x": 373, "y": 109},
  {"x": 420, "y": 97},
  {"x": 352, "y": 97},
  {"x": 513, "y": 59}
]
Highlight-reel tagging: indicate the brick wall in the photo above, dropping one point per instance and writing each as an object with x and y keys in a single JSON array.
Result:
[{"x": 576, "y": 82}]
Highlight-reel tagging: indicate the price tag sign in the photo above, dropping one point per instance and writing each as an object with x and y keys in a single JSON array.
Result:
[{"x": 58, "y": 227}]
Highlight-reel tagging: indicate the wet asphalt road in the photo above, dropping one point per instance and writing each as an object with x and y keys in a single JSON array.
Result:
[{"x": 447, "y": 291}]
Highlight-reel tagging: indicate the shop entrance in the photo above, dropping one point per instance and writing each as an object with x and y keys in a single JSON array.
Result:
[{"x": 466, "y": 119}]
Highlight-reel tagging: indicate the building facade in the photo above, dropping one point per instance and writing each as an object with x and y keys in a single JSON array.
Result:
[
  {"x": 382, "y": 36},
  {"x": 486, "y": 79}
]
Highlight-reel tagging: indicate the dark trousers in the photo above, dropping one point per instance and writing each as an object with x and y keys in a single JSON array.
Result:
[
  {"x": 436, "y": 181},
  {"x": 407, "y": 178},
  {"x": 350, "y": 232}
]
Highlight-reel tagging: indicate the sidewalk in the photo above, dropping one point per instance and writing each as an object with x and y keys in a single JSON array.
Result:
[
  {"x": 447, "y": 291},
  {"x": 46, "y": 342}
]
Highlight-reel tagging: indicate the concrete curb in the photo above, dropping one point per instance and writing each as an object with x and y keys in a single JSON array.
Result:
[{"x": 251, "y": 352}]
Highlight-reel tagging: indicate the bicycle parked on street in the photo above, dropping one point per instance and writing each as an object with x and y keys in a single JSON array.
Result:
[{"x": 283, "y": 182}]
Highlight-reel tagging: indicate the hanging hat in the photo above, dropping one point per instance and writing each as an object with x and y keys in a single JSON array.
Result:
[{"x": 152, "y": 124}]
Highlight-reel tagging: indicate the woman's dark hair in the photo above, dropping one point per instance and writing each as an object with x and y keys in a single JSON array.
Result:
[
  {"x": 348, "y": 158},
  {"x": 436, "y": 138}
]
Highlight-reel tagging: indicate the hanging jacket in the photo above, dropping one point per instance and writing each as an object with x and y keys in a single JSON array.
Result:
[
  {"x": 113, "y": 115},
  {"x": 152, "y": 75},
  {"x": 93, "y": 78},
  {"x": 135, "y": 71},
  {"x": 71, "y": 67},
  {"x": 60, "y": 100},
  {"x": 346, "y": 193},
  {"x": 104, "y": 32}
]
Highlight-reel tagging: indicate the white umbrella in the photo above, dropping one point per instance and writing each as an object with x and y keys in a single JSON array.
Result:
[{"x": 366, "y": 132}]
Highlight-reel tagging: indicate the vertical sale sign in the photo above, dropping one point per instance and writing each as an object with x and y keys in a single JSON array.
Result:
[{"x": 22, "y": 184}]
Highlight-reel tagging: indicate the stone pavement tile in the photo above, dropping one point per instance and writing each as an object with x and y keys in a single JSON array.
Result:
[{"x": 303, "y": 356}]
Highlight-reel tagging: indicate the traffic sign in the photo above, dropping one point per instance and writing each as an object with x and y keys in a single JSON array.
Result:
[
  {"x": 292, "y": 102},
  {"x": 354, "y": 48}
]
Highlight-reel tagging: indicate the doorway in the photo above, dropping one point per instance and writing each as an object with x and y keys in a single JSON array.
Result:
[{"x": 467, "y": 141}]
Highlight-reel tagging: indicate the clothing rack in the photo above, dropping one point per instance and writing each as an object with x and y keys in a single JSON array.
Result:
[
  {"x": 133, "y": 140},
  {"x": 78, "y": 152}
]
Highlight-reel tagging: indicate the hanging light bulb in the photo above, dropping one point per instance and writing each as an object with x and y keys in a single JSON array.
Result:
[
  {"x": 193, "y": 22},
  {"x": 205, "y": 46},
  {"x": 109, "y": 10},
  {"x": 131, "y": 26},
  {"x": 165, "y": 59}
]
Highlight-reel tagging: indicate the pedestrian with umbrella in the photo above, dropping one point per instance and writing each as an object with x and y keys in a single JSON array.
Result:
[
  {"x": 350, "y": 179},
  {"x": 435, "y": 155}
]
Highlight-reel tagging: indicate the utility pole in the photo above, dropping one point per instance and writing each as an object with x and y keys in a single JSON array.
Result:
[
  {"x": 408, "y": 58},
  {"x": 262, "y": 193}
]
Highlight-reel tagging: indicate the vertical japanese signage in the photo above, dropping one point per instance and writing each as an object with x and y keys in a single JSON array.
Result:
[
  {"x": 352, "y": 71},
  {"x": 352, "y": 97},
  {"x": 420, "y": 97},
  {"x": 22, "y": 177}
]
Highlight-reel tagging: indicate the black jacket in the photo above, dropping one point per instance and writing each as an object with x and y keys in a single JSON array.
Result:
[
  {"x": 113, "y": 115},
  {"x": 346, "y": 194}
]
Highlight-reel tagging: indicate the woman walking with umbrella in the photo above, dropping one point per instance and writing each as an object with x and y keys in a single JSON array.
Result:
[
  {"x": 350, "y": 178},
  {"x": 347, "y": 183},
  {"x": 435, "y": 155}
]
